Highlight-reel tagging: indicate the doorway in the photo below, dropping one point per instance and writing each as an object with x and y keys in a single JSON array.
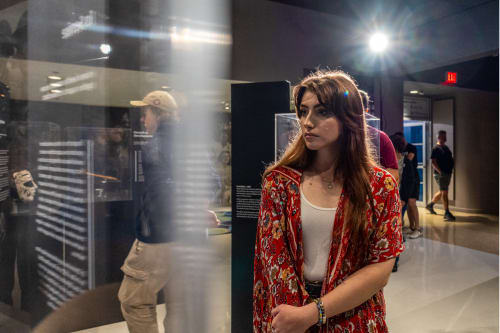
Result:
[{"x": 417, "y": 132}]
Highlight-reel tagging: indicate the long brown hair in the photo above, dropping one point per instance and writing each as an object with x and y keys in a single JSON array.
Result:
[{"x": 338, "y": 92}]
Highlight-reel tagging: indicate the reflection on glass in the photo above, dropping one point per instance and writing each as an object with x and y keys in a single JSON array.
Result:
[
  {"x": 74, "y": 154},
  {"x": 112, "y": 171}
]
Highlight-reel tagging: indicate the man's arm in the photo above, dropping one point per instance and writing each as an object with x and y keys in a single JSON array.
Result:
[
  {"x": 412, "y": 152},
  {"x": 435, "y": 166}
]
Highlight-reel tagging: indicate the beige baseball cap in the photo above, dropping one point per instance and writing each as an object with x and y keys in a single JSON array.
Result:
[{"x": 158, "y": 98}]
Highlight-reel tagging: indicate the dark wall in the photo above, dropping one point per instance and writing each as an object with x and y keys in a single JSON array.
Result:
[
  {"x": 476, "y": 151},
  {"x": 480, "y": 74},
  {"x": 68, "y": 115}
]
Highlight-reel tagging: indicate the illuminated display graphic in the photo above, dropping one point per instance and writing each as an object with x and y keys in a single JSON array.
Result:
[
  {"x": 65, "y": 220},
  {"x": 83, "y": 23}
]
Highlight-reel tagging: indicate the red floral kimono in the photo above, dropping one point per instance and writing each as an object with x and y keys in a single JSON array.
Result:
[{"x": 279, "y": 252}]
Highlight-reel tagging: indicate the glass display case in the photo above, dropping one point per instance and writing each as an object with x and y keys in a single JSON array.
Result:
[
  {"x": 64, "y": 217},
  {"x": 112, "y": 160},
  {"x": 286, "y": 127},
  {"x": 68, "y": 72},
  {"x": 373, "y": 127}
]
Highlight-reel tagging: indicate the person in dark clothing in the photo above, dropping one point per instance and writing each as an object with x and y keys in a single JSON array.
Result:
[
  {"x": 399, "y": 145},
  {"x": 443, "y": 164},
  {"x": 410, "y": 187},
  {"x": 150, "y": 263},
  {"x": 153, "y": 263}
]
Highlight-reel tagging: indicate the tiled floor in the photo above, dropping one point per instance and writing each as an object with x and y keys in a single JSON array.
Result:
[
  {"x": 448, "y": 280},
  {"x": 474, "y": 231},
  {"x": 439, "y": 287},
  {"x": 443, "y": 288}
]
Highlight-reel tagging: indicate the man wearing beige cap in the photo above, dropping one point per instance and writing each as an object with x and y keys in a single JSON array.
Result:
[
  {"x": 150, "y": 266},
  {"x": 157, "y": 105}
]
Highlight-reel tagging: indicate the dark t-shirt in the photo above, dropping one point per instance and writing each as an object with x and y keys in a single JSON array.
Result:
[
  {"x": 412, "y": 149},
  {"x": 410, "y": 171},
  {"x": 444, "y": 158}
]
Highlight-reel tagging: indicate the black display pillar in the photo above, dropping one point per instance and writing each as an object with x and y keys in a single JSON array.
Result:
[{"x": 253, "y": 108}]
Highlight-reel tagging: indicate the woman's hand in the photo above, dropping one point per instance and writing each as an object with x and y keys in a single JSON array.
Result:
[{"x": 293, "y": 319}]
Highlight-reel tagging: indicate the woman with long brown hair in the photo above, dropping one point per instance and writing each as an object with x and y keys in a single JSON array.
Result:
[{"x": 328, "y": 228}]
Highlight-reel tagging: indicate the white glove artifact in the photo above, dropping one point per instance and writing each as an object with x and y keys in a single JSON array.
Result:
[{"x": 25, "y": 185}]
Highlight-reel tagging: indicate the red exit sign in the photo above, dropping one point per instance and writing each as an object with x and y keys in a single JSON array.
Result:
[{"x": 451, "y": 78}]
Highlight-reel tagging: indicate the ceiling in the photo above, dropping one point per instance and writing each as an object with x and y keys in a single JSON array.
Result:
[
  {"x": 114, "y": 79},
  {"x": 422, "y": 11},
  {"x": 136, "y": 52},
  {"x": 430, "y": 90},
  {"x": 98, "y": 86},
  {"x": 426, "y": 89}
]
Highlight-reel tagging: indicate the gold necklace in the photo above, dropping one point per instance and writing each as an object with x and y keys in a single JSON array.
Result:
[{"x": 329, "y": 183}]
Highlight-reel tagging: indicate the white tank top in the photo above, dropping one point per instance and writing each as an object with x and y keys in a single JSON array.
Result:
[{"x": 317, "y": 226}]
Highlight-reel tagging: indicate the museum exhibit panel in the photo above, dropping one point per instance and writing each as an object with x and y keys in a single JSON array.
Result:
[{"x": 253, "y": 108}]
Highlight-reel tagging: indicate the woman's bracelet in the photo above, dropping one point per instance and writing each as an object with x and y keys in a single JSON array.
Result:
[{"x": 321, "y": 311}]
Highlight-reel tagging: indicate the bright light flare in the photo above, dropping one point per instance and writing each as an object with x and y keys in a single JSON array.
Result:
[
  {"x": 379, "y": 42},
  {"x": 105, "y": 48}
]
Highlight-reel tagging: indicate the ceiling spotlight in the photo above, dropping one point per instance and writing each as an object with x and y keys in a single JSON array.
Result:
[
  {"x": 378, "y": 42},
  {"x": 413, "y": 91},
  {"x": 56, "y": 85},
  {"x": 55, "y": 91},
  {"x": 105, "y": 48},
  {"x": 54, "y": 77}
]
